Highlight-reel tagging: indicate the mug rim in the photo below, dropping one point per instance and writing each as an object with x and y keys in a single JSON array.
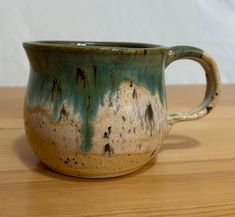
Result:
[{"x": 96, "y": 46}]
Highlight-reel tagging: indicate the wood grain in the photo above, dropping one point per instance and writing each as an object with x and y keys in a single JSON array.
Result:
[{"x": 194, "y": 174}]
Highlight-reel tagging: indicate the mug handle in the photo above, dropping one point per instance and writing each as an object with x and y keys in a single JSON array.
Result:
[{"x": 212, "y": 81}]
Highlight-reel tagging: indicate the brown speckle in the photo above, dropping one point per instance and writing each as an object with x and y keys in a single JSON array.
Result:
[
  {"x": 131, "y": 84},
  {"x": 109, "y": 129},
  {"x": 123, "y": 118},
  {"x": 153, "y": 153},
  {"x": 76, "y": 162},
  {"x": 209, "y": 108},
  {"x": 109, "y": 149},
  {"x": 106, "y": 136},
  {"x": 56, "y": 89},
  {"x": 134, "y": 94},
  {"x": 63, "y": 113},
  {"x": 81, "y": 76},
  {"x": 94, "y": 71}
]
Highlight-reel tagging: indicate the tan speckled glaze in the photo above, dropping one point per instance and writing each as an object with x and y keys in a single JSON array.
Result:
[{"x": 133, "y": 139}]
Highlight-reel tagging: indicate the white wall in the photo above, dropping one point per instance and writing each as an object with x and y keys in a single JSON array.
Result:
[{"x": 208, "y": 24}]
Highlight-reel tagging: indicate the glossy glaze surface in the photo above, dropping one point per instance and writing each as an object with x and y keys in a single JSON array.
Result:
[{"x": 98, "y": 109}]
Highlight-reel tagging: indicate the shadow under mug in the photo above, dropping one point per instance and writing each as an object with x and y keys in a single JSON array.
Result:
[{"x": 98, "y": 109}]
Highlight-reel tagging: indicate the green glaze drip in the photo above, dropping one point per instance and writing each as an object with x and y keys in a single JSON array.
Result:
[{"x": 82, "y": 80}]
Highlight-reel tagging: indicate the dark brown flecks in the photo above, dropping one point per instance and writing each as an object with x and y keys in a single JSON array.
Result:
[
  {"x": 134, "y": 94},
  {"x": 128, "y": 154},
  {"x": 216, "y": 94},
  {"x": 207, "y": 75},
  {"x": 152, "y": 153},
  {"x": 123, "y": 118},
  {"x": 149, "y": 118},
  {"x": 123, "y": 127},
  {"x": 81, "y": 76},
  {"x": 95, "y": 71},
  {"x": 129, "y": 131},
  {"x": 134, "y": 130},
  {"x": 109, "y": 129},
  {"x": 120, "y": 135},
  {"x": 56, "y": 89},
  {"x": 63, "y": 138},
  {"x": 106, "y": 136},
  {"x": 76, "y": 162},
  {"x": 131, "y": 84},
  {"x": 109, "y": 149},
  {"x": 89, "y": 104},
  {"x": 209, "y": 108},
  {"x": 145, "y": 51},
  {"x": 63, "y": 113},
  {"x": 66, "y": 162},
  {"x": 149, "y": 113},
  {"x": 110, "y": 100},
  {"x": 83, "y": 164}
]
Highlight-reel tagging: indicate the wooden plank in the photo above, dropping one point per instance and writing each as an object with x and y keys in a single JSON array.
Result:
[{"x": 194, "y": 174}]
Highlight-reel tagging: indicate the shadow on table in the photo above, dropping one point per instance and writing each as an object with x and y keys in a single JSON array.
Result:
[
  {"x": 30, "y": 160},
  {"x": 178, "y": 142}
]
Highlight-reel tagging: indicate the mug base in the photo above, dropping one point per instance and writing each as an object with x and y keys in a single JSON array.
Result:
[{"x": 95, "y": 176}]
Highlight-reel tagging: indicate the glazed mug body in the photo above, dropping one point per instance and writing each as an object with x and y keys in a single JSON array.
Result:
[{"x": 98, "y": 109}]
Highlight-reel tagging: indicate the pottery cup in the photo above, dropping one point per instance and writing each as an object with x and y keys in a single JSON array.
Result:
[{"x": 98, "y": 109}]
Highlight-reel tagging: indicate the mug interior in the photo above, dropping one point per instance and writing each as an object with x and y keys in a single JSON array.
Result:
[{"x": 93, "y": 44}]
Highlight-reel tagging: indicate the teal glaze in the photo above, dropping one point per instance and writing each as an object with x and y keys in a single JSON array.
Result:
[{"x": 83, "y": 77}]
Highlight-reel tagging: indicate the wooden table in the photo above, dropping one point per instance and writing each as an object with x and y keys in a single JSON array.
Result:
[{"x": 194, "y": 174}]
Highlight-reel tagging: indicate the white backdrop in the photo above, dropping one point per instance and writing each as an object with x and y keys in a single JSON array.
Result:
[{"x": 208, "y": 24}]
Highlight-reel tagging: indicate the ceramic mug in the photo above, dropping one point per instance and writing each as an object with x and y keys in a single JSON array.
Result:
[{"x": 98, "y": 109}]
